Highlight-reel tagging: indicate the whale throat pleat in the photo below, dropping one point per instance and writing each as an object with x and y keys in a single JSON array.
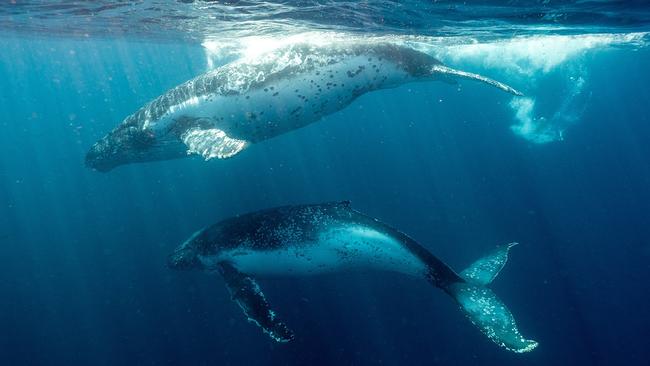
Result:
[{"x": 212, "y": 143}]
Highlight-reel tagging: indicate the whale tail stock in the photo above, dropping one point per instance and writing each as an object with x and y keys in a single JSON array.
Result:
[
  {"x": 483, "y": 307},
  {"x": 448, "y": 71}
]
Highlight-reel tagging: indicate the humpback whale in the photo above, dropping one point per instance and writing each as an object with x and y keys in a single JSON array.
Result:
[
  {"x": 332, "y": 237},
  {"x": 220, "y": 113}
]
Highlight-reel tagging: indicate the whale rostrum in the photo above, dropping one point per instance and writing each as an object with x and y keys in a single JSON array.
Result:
[
  {"x": 312, "y": 239},
  {"x": 220, "y": 113}
]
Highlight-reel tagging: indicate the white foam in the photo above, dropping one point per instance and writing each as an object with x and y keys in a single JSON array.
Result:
[
  {"x": 252, "y": 47},
  {"x": 531, "y": 60},
  {"x": 537, "y": 130},
  {"x": 533, "y": 54}
]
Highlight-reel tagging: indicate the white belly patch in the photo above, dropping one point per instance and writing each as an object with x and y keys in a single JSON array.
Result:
[{"x": 351, "y": 248}]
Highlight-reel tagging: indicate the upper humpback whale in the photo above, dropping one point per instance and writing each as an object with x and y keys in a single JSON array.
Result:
[
  {"x": 220, "y": 113},
  {"x": 332, "y": 237}
]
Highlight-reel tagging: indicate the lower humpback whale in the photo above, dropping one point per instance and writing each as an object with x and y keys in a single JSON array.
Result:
[
  {"x": 220, "y": 113},
  {"x": 332, "y": 237}
]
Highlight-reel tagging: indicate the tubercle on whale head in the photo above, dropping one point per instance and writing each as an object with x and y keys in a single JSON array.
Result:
[
  {"x": 185, "y": 256},
  {"x": 99, "y": 156}
]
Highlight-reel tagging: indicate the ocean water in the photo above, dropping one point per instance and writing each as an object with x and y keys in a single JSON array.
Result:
[{"x": 564, "y": 170}]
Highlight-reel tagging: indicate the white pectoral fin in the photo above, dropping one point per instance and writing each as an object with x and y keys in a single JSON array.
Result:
[
  {"x": 448, "y": 71},
  {"x": 212, "y": 143}
]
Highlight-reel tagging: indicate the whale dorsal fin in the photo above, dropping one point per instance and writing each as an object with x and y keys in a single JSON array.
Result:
[
  {"x": 245, "y": 291},
  {"x": 211, "y": 143}
]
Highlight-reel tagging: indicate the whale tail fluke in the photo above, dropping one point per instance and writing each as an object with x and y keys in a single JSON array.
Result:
[
  {"x": 483, "y": 307},
  {"x": 448, "y": 71}
]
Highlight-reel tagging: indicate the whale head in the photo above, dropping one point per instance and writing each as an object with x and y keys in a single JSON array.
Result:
[
  {"x": 125, "y": 144},
  {"x": 130, "y": 143},
  {"x": 185, "y": 256}
]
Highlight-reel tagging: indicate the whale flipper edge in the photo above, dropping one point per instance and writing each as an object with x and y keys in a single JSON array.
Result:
[
  {"x": 444, "y": 70},
  {"x": 245, "y": 291},
  {"x": 212, "y": 143}
]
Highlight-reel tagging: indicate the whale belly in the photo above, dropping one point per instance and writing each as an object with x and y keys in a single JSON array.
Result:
[{"x": 351, "y": 248}]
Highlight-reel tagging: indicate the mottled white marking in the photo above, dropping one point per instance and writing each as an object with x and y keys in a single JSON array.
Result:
[{"x": 286, "y": 104}]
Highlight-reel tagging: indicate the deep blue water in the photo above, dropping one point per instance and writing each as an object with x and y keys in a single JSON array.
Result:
[{"x": 83, "y": 277}]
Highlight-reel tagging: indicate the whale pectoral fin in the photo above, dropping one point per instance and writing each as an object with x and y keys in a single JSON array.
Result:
[
  {"x": 485, "y": 269},
  {"x": 446, "y": 73},
  {"x": 245, "y": 291},
  {"x": 211, "y": 143}
]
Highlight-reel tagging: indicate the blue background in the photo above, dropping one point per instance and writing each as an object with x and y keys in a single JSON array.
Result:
[{"x": 82, "y": 254}]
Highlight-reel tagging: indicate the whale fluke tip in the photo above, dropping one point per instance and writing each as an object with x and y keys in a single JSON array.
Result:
[{"x": 483, "y": 307}]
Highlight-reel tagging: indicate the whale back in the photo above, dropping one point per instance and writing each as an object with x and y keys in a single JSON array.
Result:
[{"x": 272, "y": 228}]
